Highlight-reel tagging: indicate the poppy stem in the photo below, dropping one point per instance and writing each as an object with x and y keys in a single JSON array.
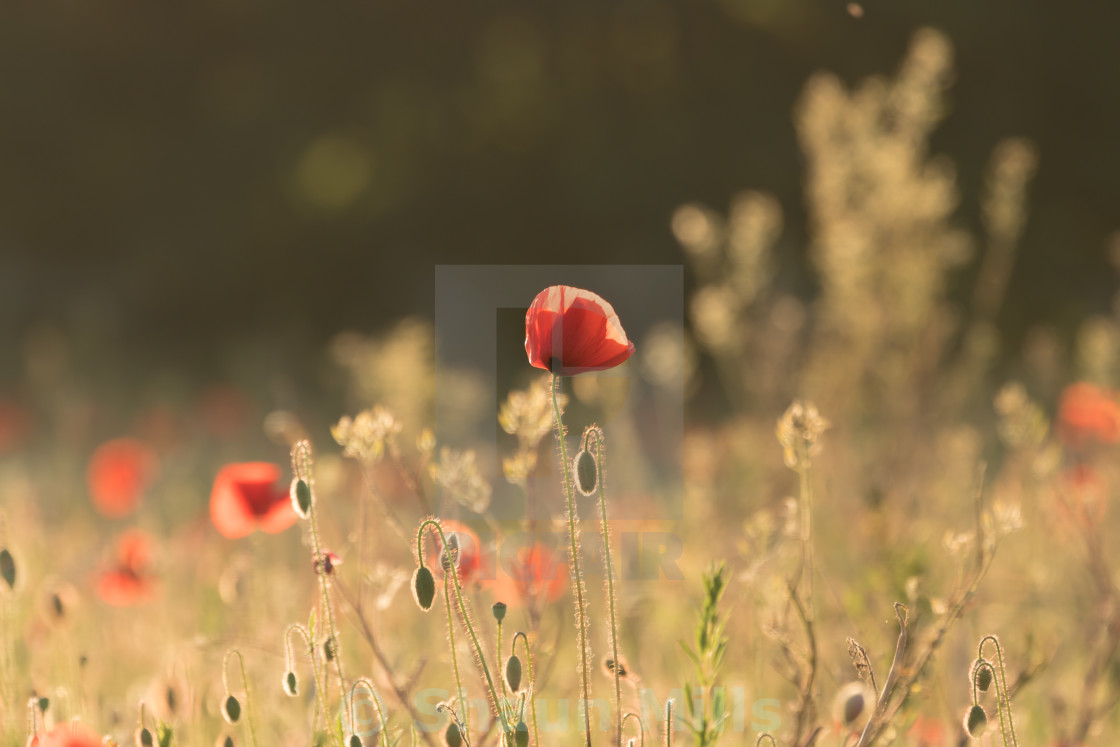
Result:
[
  {"x": 301, "y": 465},
  {"x": 460, "y": 693},
  {"x": 376, "y": 704},
  {"x": 248, "y": 692},
  {"x": 641, "y": 727},
  {"x": 577, "y": 573},
  {"x": 452, "y": 570},
  {"x": 320, "y": 689},
  {"x": 1003, "y": 697},
  {"x": 532, "y": 684},
  {"x": 589, "y": 433}
]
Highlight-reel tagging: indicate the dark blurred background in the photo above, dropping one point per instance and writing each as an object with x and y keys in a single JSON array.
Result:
[{"x": 177, "y": 180}]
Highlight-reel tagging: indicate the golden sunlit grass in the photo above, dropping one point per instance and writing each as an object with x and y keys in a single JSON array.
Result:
[{"x": 885, "y": 540}]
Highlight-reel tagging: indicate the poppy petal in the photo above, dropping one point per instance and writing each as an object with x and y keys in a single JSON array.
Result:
[
  {"x": 570, "y": 330},
  {"x": 280, "y": 516},
  {"x": 119, "y": 472}
]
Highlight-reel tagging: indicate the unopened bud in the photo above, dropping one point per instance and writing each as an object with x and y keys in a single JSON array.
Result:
[
  {"x": 301, "y": 497},
  {"x": 423, "y": 588},
  {"x": 975, "y": 722},
  {"x": 330, "y": 648},
  {"x": 521, "y": 735},
  {"x": 355, "y": 740},
  {"x": 290, "y": 685},
  {"x": 853, "y": 707},
  {"x": 145, "y": 737},
  {"x": 231, "y": 710},
  {"x": 8, "y": 568},
  {"x": 513, "y": 673},
  {"x": 586, "y": 471},
  {"x": 982, "y": 675},
  {"x": 452, "y": 736}
]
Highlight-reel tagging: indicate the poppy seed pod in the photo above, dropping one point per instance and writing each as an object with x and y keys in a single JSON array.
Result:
[
  {"x": 499, "y": 611},
  {"x": 976, "y": 721},
  {"x": 513, "y": 673},
  {"x": 231, "y": 709},
  {"x": 423, "y": 588}
]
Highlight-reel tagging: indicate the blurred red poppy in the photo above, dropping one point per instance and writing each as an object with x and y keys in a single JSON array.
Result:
[
  {"x": 535, "y": 573},
  {"x": 129, "y": 581},
  {"x": 248, "y": 496},
  {"x": 470, "y": 549},
  {"x": 569, "y": 330},
  {"x": 68, "y": 735},
  {"x": 15, "y": 424},
  {"x": 118, "y": 473},
  {"x": 927, "y": 732},
  {"x": 1088, "y": 413}
]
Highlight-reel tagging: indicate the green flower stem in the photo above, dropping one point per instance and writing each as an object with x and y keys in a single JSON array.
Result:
[
  {"x": 248, "y": 692},
  {"x": 301, "y": 463},
  {"x": 319, "y": 686},
  {"x": 599, "y": 458},
  {"x": 576, "y": 573},
  {"x": 376, "y": 704},
  {"x": 1004, "y": 698},
  {"x": 641, "y": 727},
  {"x": 460, "y": 693},
  {"x": 453, "y": 571},
  {"x": 531, "y": 690}
]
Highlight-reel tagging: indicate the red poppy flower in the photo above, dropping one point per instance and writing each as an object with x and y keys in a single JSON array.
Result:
[
  {"x": 249, "y": 496},
  {"x": 569, "y": 330},
  {"x": 118, "y": 473},
  {"x": 927, "y": 733},
  {"x": 1088, "y": 413},
  {"x": 535, "y": 573},
  {"x": 129, "y": 581},
  {"x": 470, "y": 550},
  {"x": 69, "y": 735}
]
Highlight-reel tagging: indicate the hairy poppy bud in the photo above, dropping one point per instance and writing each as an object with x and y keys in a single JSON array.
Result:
[
  {"x": 521, "y": 735},
  {"x": 513, "y": 673},
  {"x": 145, "y": 737},
  {"x": 982, "y": 675},
  {"x": 499, "y": 611},
  {"x": 228, "y": 741},
  {"x": 301, "y": 497},
  {"x": 423, "y": 588},
  {"x": 355, "y": 740},
  {"x": 231, "y": 710},
  {"x": 975, "y": 722},
  {"x": 452, "y": 736},
  {"x": 44, "y": 704},
  {"x": 8, "y": 568},
  {"x": 330, "y": 648},
  {"x": 290, "y": 684},
  {"x": 586, "y": 471}
]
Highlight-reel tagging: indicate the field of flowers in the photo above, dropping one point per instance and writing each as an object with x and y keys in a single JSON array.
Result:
[{"x": 873, "y": 527}]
